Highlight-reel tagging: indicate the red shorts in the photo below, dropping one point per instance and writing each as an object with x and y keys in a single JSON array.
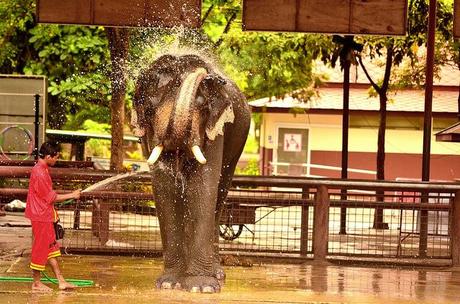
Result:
[{"x": 44, "y": 245}]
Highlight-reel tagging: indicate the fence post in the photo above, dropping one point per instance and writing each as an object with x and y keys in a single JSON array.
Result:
[
  {"x": 321, "y": 223},
  {"x": 304, "y": 223},
  {"x": 455, "y": 231},
  {"x": 100, "y": 220}
]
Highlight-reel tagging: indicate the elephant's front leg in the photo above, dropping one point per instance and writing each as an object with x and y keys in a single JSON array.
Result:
[
  {"x": 171, "y": 217},
  {"x": 201, "y": 203}
]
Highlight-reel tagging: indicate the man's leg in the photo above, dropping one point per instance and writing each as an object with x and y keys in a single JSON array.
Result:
[
  {"x": 38, "y": 256},
  {"x": 37, "y": 285},
  {"x": 57, "y": 271}
]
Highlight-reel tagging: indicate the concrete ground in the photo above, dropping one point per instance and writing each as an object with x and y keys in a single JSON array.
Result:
[{"x": 131, "y": 280}]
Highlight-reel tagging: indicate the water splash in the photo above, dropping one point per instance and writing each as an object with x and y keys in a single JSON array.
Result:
[
  {"x": 177, "y": 41},
  {"x": 110, "y": 180}
]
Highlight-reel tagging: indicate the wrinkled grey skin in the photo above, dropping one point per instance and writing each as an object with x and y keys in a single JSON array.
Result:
[{"x": 189, "y": 195}]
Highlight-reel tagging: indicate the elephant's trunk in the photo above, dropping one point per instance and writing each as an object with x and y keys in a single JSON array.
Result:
[{"x": 187, "y": 94}]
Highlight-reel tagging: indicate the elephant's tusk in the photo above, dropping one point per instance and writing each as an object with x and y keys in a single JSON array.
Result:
[
  {"x": 155, "y": 154},
  {"x": 198, "y": 155}
]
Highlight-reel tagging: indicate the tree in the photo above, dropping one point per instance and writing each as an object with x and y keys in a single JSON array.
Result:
[
  {"x": 395, "y": 50},
  {"x": 119, "y": 47},
  {"x": 263, "y": 64}
]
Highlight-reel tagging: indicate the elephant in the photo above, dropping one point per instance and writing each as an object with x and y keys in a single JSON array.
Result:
[{"x": 193, "y": 123}]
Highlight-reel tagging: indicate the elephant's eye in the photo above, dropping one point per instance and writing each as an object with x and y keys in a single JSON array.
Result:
[{"x": 199, "y": 101}]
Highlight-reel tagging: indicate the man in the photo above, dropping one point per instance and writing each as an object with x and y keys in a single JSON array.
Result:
[{"x": 40, "y": 210}]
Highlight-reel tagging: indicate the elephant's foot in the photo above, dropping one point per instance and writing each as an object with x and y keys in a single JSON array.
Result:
[
  {"x": 168, "y": 281},
  {"x": 202, "y": 284}
]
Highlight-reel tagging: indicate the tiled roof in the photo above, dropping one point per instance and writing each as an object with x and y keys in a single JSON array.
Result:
[
  {"x": 450, "y": 134},
  {"x": 331, "y": 98},
  {"x": 445, "y": 75}
]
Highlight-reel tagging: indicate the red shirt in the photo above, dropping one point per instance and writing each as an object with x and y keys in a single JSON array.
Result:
[{"x": 41, "y": 196}]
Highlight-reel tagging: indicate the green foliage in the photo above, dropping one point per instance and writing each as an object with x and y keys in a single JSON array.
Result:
[
  {"x": 97, "y": 147},
  {"x": 16, "y": 18},
  {"x": 74, "y": 58},
  {"x": 409, "y": 60},
  {"x": 252, "y": 168},
  {"x": 252, "y": 145},
  {"x": 262, "y": 64},
  {"x": 137, "y": 155}
]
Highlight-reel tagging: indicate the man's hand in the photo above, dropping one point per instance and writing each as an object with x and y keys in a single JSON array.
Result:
[{"x": 76, "y": 194}]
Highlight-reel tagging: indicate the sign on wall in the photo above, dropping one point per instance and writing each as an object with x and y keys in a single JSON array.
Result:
[
  {"x": 379, "y": 17},
  {"x": 457, "y": 18},
  {"x": 292, "y": 142},
  {"x": 143, "y": 13}
]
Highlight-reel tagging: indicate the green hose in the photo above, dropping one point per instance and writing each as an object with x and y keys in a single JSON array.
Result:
[
  {"x": 79, "y": 283},
  {"x": 66, "y": 202}
]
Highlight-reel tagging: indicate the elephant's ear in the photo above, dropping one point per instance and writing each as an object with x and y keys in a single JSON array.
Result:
[
  {"x": 149, "y": 90},
  {"x": 140, "y": 105},
  {"x": 137, "y": 129},
  {"x": 220, "y": 108}
]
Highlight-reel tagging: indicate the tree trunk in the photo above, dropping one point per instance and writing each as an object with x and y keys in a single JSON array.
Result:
[
  {"x": 378, "y": 215},
  {"x": 382, "y": 91},
  {"x": 119, "y": 46},
  {"x": 381, "y": 137}
]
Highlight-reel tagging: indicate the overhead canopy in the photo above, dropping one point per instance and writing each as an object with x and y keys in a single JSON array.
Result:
[
  {"x": 377, "y": 17},
  {"x": 450, "y": 134},
  {"x": 143, "y": 13}
]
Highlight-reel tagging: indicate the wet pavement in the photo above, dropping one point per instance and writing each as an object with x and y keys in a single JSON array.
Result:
[{"x": 131, "y": 280}]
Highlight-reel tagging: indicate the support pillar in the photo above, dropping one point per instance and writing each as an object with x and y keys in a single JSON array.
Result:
[
  {"x": 321, "y": 224},
  {"x": 455, "y": 230}
]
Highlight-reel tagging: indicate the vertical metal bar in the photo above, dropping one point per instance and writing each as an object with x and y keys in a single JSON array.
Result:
[
  {"x": 455, "y": 230},
  {"x": 345, "y": 127},
  {"x": 429, "y": 92},
  {"x": 36, "y": 124},
  {"x": 304, "y": 223},
  {"x": 427, "y": 125}
]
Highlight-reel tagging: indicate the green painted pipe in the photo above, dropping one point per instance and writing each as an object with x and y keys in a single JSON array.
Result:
[{"x": 79, "y": 283}]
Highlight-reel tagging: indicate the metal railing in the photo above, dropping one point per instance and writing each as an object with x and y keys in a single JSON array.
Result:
[
  {"x": 303, "y": 169},
  {"x": 301, "y": 220}
]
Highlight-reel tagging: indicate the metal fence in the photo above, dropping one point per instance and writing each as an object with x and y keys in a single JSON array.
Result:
[
  {"x": 268, "y": 219},
  {"x": 277, "y": 216}
]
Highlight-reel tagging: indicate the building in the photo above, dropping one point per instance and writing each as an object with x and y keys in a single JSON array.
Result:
[{"x": 305, "y": 139}]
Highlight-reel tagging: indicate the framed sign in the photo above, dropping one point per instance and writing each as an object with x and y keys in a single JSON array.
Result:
[
  {"x": 130, "y": 13},
  {"x": 292, "y": 142},
  {"x": 457, "y": 18},
  {"x": 372, "y": 17}
]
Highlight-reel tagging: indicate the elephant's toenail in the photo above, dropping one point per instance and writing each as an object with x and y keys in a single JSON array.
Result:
[
  {"x": 195, "y": 289},
  {"x": 208, "y": 289},
  {"x": 166, "y": 285}
]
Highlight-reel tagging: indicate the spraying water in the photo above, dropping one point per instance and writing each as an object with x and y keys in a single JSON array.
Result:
[
  {"x": 104, "y": 182},
  {"x": 177, "y": 41}
]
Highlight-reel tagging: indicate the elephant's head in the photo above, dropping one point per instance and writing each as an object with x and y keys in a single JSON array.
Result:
[{"x": 180, "y": 103}]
